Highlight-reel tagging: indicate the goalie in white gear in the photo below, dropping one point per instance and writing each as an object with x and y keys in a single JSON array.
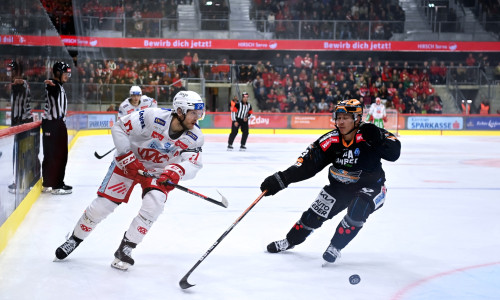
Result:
[
  {"x": 377, "y": 114},
  {"x": 163, "y": 142},
  {"x": 137, "y": 101}
]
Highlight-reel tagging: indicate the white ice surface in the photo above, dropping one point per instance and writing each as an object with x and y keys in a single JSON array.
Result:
[{"x": 437, "y": 236}]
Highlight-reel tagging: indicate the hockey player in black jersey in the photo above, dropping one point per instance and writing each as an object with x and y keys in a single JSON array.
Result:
[{"x": 354, "y": 151}]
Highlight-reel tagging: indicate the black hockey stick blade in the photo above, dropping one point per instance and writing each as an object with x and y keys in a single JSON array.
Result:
[
  {"x": 184, "y": 284},
  {"x": 101, "y": 156},
  {"x": 224, "y": 203}
]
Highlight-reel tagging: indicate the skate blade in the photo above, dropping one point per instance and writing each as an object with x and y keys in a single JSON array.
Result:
[
  {"x": 326, "y": 264},
  {"x": 57, "y": 259},
  {"x": 120, "y": 265}
]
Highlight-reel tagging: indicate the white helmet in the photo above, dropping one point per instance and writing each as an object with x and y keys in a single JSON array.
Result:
[
  {"x": 188, "y": 100},
  {"x": 135, "y": 90}
]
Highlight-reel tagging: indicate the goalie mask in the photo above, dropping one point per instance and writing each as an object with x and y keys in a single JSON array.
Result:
[{"x": 189, "y": 100}]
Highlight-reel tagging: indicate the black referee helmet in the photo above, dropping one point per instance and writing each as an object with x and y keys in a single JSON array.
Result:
[
  {"x": 61, "y": 67},
  {"x": 15, "y": 68}
]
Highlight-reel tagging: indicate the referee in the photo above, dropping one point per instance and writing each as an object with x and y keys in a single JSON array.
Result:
[
  {"x": 240, "y": 114},
  {"x": 20, "y": 98},
  {"x": 55, "y": 133}
]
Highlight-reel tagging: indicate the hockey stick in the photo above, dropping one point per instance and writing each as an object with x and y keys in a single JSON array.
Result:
[
  {"x": 101, "y": 156},
  {"x": 222, "y": 203},
  {"x": 184, "y": 284}
]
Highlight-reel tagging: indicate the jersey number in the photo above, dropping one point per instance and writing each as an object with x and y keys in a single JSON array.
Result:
[{"x": 128, "y": 126}]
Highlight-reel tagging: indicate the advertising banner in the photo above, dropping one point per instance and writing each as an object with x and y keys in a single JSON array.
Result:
[
  {"x": 312, "y": 121},
  {"x": 483, "y": 123},
  {"x": 231, "y": 44},
  {"x": 435, "y": 123},
  {"x": 101, "y": 121},
  {"x": 255, "y": 121},
  {"x": 268, "y": 121},
  {"x": 207, "y": 122}
]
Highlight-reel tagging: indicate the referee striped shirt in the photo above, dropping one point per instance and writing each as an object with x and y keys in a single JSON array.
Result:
[
  {"x": 241, "y": 111},
  {"x": 56, "y": 101},
  {"x": 20, "y": 99}
]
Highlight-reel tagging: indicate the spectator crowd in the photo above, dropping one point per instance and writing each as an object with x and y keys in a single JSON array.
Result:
[
  {"x": 312, "y": 19},
  {"x": 307, "y": 84},
  {"x": 304, "y": 83}
]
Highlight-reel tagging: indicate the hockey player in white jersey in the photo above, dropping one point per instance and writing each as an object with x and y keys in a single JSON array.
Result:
[
  {"x": 164, "y": 142},
  {"x": 137, "y": 101},
  {"x": 376, "y": 114}
]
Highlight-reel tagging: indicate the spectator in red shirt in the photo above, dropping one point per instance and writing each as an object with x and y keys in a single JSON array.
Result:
[
  {"x": 188, "y": 59},
  {"x": 470, "y": 61},
  {"x": 400, "y": 106},
  {"x": 442, "y": 72},
  {"x": 434, "y": 72},
  {"x": 297, "y": 62}
]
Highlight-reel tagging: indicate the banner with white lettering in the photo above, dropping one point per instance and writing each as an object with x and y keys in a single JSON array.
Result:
[
  {"x": 101, "y": 121},
  {"x": 483, "y": 123},
  {"x": 257, "y": 120},
  {"x": 435, "y": 123},
  {"x": 312, "y": 121},
  {"x": 233, "y": 44}
]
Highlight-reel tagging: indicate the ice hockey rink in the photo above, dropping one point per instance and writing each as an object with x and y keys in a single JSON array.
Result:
[{"x": 436, "y": 237}]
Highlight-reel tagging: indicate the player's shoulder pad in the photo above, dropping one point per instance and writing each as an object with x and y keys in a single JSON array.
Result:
[
  {"x": 328, "y": 139},
  {"x": 389, "y": 135},
  {"x": 156, "y": 119}
]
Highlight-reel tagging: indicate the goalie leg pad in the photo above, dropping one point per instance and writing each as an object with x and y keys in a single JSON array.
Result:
[
  {"x": 153, "y": 204},
  {"x": 97, "y": 211}
]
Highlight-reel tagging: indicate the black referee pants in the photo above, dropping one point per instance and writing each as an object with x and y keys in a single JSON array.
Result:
[
  {"x": 55, "y": 152},
  {"x": 234, "y": 132}
]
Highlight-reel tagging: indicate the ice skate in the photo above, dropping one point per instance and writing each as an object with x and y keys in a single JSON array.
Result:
[
  {"x": 331, "y": 254},
  {"x": 12, "y": 188},
  {"x": 69, "y": 246},
  {"x": 243, "y": 148},
  {"x": 279, "y": 246},
  {"x": 123, "y": 256},
  {"x": 230, "y": 147},
  {"x": 63, "y": 190},
  {"x": 46, "y": 189}
]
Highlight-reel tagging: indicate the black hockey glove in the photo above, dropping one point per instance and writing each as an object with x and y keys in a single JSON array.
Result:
[
  {"x": 273, "y": 184},
  {"x": 372, "y": 134}
]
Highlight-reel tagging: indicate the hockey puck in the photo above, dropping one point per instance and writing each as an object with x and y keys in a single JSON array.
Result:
[{"x": 354, "y": 279}]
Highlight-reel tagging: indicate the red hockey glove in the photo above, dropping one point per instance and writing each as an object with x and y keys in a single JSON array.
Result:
[
  {"x": 171, "y": 173},
  {"x": 371, "y": 118},
  {"x": 129, "y": 164},
  {"x": 385, "y": 119}
]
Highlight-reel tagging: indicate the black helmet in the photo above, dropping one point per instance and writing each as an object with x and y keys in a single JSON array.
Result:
[
  {"x": 13, "y": 65},
  {"x": 61, "y": 67}
]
